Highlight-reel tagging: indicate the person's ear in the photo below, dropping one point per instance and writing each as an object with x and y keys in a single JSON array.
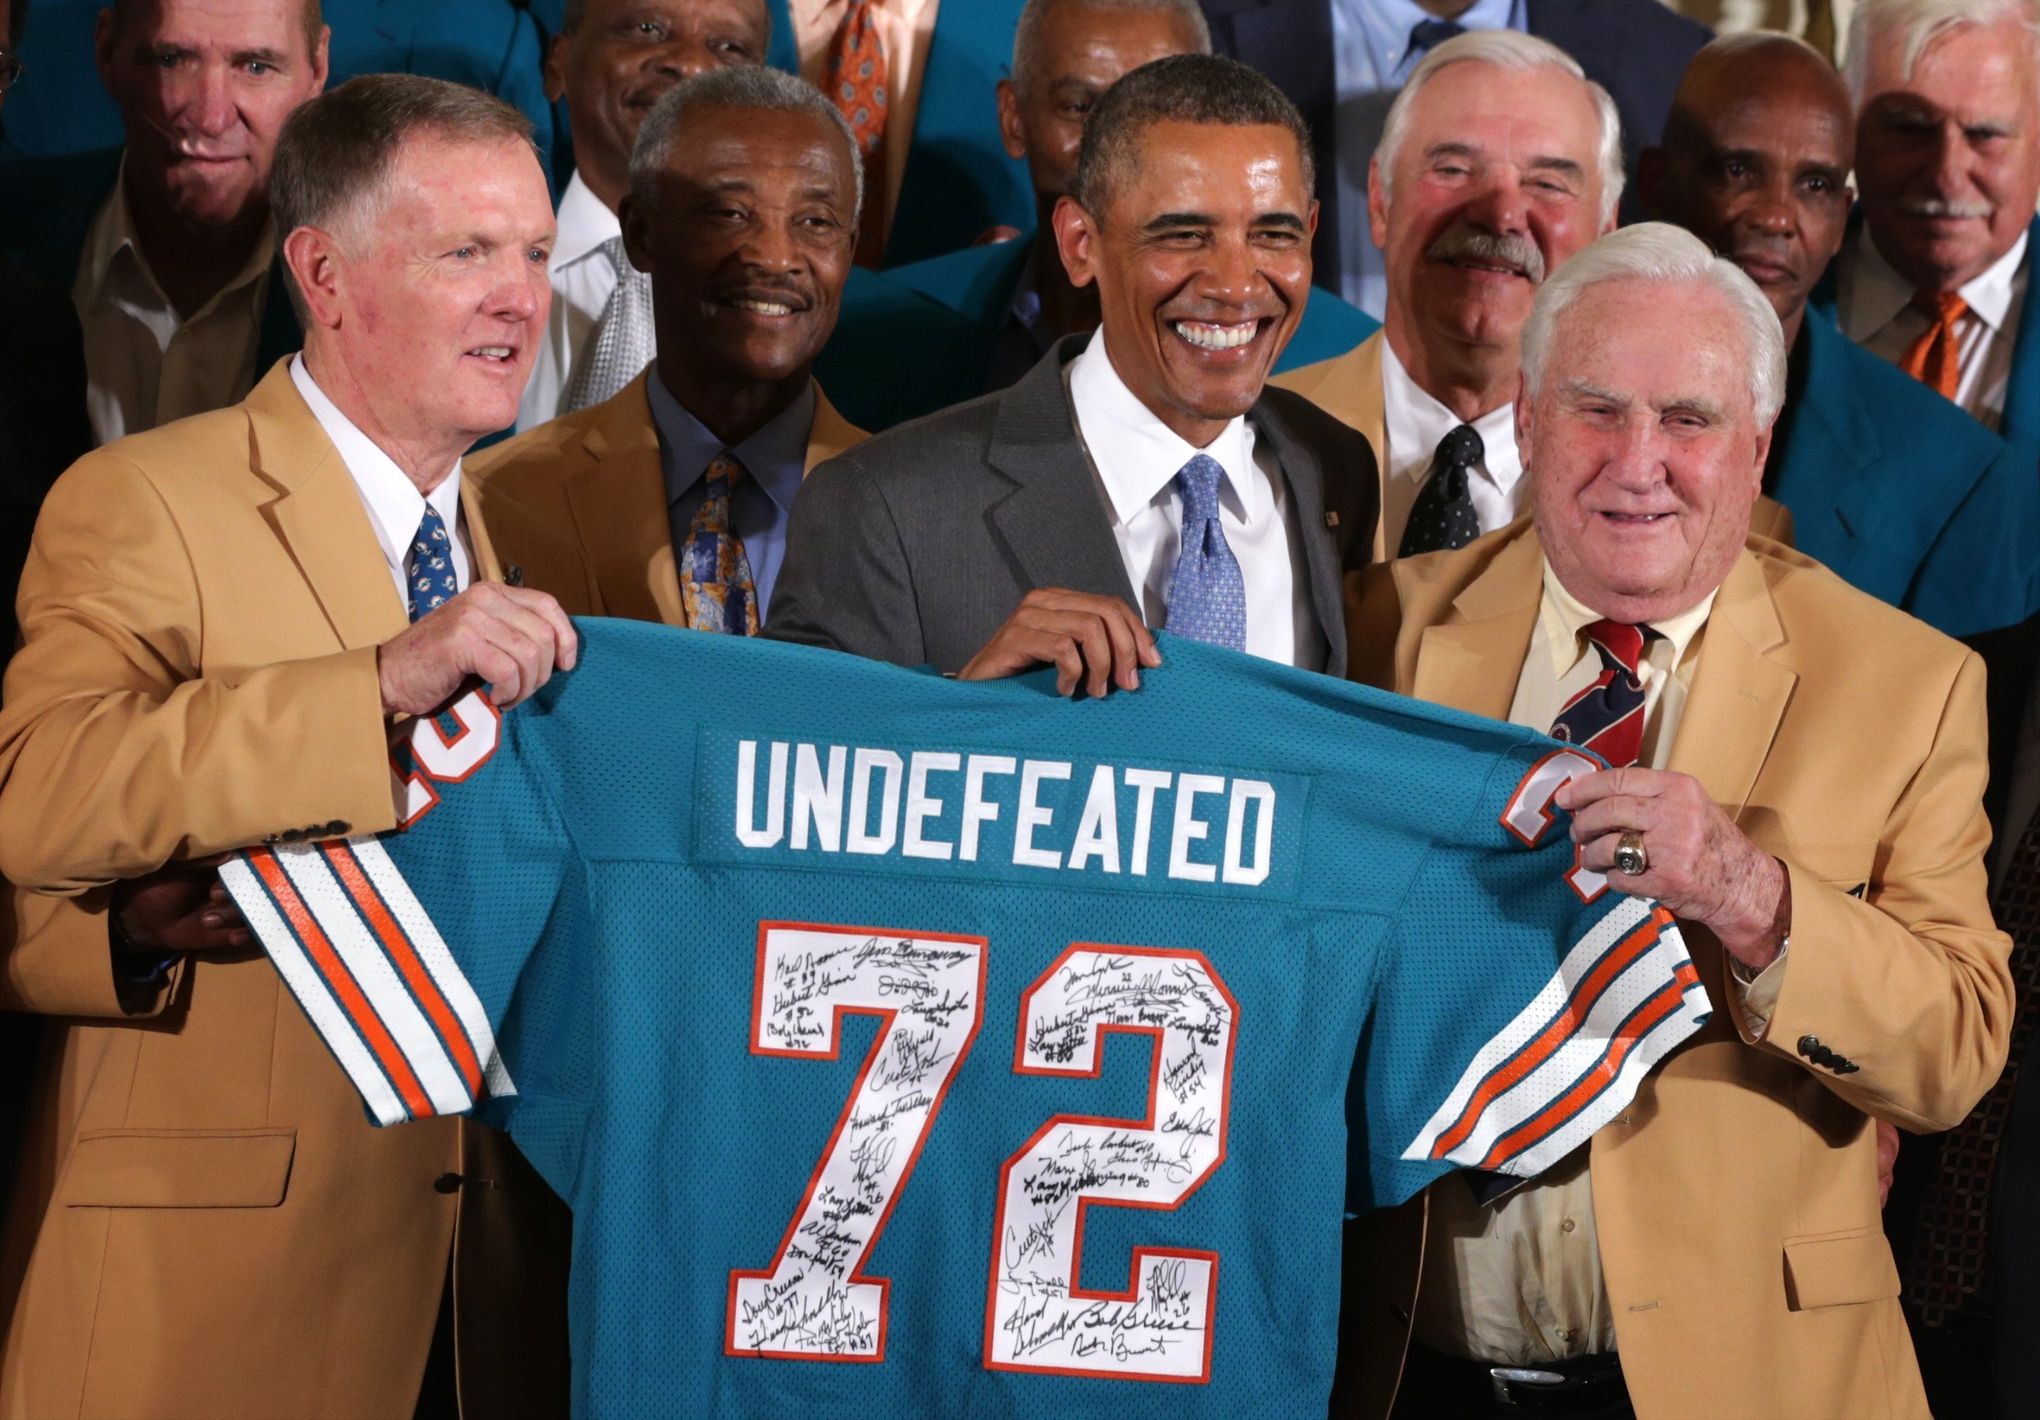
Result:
[
  {"x": 318, "y": 266},
  {"x": 1076, "y": 240},
  {"x": 1011, "y": 130}
]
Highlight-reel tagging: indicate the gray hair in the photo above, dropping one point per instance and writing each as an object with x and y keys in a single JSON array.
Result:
[
  {"x": 1659, "y": 252},
  {"x": 1181, "y": 88},
  {"x": 749, "y": 89},
  {"x": 1505, "y": 49},
  {"x": 1034, "y": 14},
  {"x": 336, "y": 151},
  {"x": 1918, "y": 23}
]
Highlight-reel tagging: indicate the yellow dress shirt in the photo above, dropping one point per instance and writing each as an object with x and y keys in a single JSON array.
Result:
[
  {"x": 905, "y": 28},
  {"x": 144, "y": 364},
  {"x": 1519, "y": 1281}
]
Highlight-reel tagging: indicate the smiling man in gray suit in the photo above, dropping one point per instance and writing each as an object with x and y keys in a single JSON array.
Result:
[{"x": 1140, "y": 477}]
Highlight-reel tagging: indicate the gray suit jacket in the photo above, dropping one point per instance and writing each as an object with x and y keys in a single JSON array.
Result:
[{"x": 917, "y": 545}]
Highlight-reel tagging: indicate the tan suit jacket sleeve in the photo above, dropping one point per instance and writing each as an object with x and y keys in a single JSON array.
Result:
[
  {"x": 1910, "y": 982},
  {"x": 56, "y": 959},
  {"x": 116, "y": 755}
]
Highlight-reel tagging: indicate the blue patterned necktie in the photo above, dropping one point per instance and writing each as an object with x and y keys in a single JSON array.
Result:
[
  {"x": 716, "y": 590},
  {"x": 429, "y": 568},
  {"x": 1207, "y": 595}
]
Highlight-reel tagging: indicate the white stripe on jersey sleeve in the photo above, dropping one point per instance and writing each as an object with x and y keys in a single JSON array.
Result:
[
  {"x": 309, "y": 986},
  {"x": 439, "y": 963},
  {"x": 329, "y": 902}
]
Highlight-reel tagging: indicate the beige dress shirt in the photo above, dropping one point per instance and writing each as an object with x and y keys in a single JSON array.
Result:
[
  {"x": 144, "y": 364},
  {"x": 905, "y": 28},
  {"x": 1876, "y": 310},
  {"x": 1518, "y": 1282}
]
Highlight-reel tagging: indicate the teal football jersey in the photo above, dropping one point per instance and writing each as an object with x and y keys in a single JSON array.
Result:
[{"x": 907, "y": 1047}]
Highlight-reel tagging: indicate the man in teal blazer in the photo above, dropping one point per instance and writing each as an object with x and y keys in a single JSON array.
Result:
[
  {"x": 1012, "y": 300},
  {"x": 1889, "y": 484}
]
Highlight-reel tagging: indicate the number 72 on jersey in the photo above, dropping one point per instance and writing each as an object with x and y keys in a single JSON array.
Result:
[{"x": 814, "y": 1300}]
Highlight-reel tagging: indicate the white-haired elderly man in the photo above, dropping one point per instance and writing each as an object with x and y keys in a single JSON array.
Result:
[
  {"x": 1937, "y": 275},
  {"x": 1499, "y": 160},
  {"x": 1716, "y": 1251}
]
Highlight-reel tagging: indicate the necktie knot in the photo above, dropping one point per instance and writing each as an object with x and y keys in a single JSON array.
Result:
[
  {"x": 1943, "y": 308},
  {"x": 1621, "y": 643},
  {"x": 1427, "y": 35},
  {"x": 1198, "y": 480}
]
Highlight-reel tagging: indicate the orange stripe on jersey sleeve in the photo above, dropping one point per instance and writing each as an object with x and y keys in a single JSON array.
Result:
[
  {"x": 347, "y": 868},
  {"x": 345, "y": 988},
  {"x": 1563, "y": 1025}
]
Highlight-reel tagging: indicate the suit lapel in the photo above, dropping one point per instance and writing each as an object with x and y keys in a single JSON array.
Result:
[
  {"x": 2022, "y": 399},
  {"x": 1739, "y": 691},
  {"x": 617, "y": 491},
  {"x": 1307, "y": 503},
  {"x": 1491, "y": 623},
  {"x": 319, "y": 515},
  {"x": 1832, "y": 439},
  {"x": 1054, "y": 522}
]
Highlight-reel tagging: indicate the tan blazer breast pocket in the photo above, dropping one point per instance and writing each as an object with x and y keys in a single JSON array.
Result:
[
  {"x": 1836, "y": 1269},
  {"x": 178, "y": 1168}
]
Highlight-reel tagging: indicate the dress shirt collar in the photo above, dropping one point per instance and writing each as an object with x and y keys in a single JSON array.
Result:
[
  {"x": 1416, "y": 422},
  {"x": 393, "y": 501},
  {"x": 1566, "y": 618},
  {"x": 584, "y": 224},
  {"x": 1137, "y": 455},
  {"x": 115, "y": 268},
  {"x": 775, "y": 458},
  {"x": 1877, "y": 293},
  {"x": 1388, "y": 23}
]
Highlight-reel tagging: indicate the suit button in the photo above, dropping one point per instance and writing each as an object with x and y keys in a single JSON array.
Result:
[
  {"x": 291, "y": 835},
  {"x": 1567, "y": 1226},
  {"x": 339, "y": 828},
  {"x": 1810, "y": 1046},
  {"x": 447, "y": 1183}
]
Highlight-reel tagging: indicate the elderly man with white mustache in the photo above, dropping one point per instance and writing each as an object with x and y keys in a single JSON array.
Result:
[{"x": 1499, "y": 160}]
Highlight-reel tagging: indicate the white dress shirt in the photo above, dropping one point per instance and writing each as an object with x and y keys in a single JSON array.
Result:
[
  {"x": 1136, "y": 458},
  {"x": 1877, "y": 311},
  {"x": 582, "y": 278},
  {"x": 145, "y": 364},
  {"x": 1415, "y": 423},
  {"x": 1519, "y": 1281},
  {"x": 394, "y": 504}
]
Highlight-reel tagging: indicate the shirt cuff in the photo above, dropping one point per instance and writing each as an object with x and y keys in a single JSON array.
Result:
[{"x": 1758, "y": 994}]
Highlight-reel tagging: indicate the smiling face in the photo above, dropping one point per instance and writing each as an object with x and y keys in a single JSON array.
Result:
[
  {"x": 203, "y": 88},
  {"x": 1949, "y": 160},
  {"x": 1642, "y": 447},
  {"x": 1202, "y": 259},
  {"x": 624, "y": 54},
  {"x": 1084, "y": 49},
  {"x": 1755, "y": 164},
  {"x": 1497, "y": 182},
  {"x": 748, "y": 239},
  {"x": 441, "y": 296}
]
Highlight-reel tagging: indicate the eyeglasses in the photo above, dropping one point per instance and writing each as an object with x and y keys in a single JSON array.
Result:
[{"x": 10, "y": 68}]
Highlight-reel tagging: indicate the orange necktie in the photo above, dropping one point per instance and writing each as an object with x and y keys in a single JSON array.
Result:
[
  {"x": 855, "y": 78},
  {"x": 1935, "y": 359}
]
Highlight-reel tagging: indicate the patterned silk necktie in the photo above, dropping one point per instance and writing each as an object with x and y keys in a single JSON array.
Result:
[
  {"x": 1607, "y": 717},
  {"x": 1935, "y": 359},
  {"x": 625, "y": 339},
  {"x": 1207, "y": 595},
  {"x": 716, "y": 591},
  {"x": 1427, "y": 35},
  {"x": 1443, "y": 514},
  {"x": 1949, "y": 1272},
  {"x": 855, "y": 77},
  {"x": 429, "y": 568}
]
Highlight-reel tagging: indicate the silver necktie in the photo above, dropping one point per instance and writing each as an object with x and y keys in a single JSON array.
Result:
[{"x": 624, "y": 338}]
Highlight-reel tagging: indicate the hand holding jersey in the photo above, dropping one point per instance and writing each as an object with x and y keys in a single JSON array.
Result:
[{"x": 510, "y": 637}]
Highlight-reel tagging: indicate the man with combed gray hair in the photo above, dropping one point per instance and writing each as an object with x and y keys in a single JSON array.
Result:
[
  {"x": 223, "y": 619},
  {"x": 1501, "y": 159},
  {"x": 1937, "y": 276},
  {"x": 1717, "y": 1250},
  {"x": 1343, "y": 61},
  {"x": 669, "y": 500}
]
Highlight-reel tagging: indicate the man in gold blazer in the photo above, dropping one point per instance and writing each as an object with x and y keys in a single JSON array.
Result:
[
  {"x": 743, "y": 212},
  {"x": 1807, "y": 768},
  {"x": 222, "y": 619}
]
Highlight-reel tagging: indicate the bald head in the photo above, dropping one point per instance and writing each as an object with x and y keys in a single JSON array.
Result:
[{"x": 1755, "y": 162}]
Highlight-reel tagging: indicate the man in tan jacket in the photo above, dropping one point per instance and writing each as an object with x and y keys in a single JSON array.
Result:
[
  {"x": 1799, "y": 778},
  {"x": 742, "y": 210},
  {"x": 222, "y": 618}
]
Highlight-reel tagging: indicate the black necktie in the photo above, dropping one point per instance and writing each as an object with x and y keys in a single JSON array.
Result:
[
  {"x": 1443, "y": 513},
  {"x": 1429, "y": 34}
]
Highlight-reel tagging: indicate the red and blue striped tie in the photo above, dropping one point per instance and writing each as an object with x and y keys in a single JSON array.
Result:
[{"x": 1607, "y": 717}]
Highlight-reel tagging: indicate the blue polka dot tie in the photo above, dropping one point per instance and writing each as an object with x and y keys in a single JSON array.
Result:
[
  {"x": 429, "y": 568},
  {"x": 1207, "y": 596}
]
